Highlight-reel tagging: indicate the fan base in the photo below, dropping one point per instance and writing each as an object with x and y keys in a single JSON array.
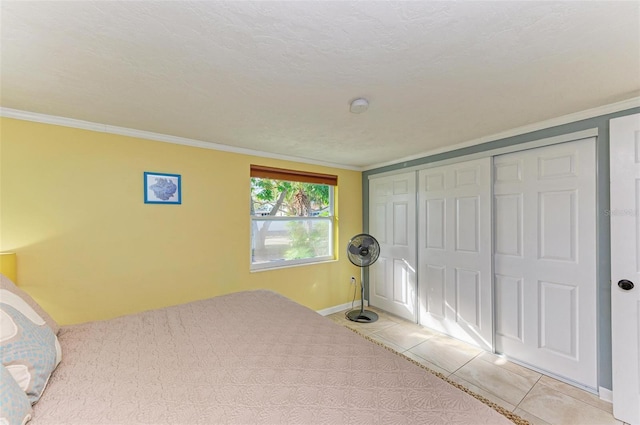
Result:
[{"x": 362, "y": 316}]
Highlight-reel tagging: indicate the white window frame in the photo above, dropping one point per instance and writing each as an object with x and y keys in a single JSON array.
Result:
[{"x": 277, "y": 264}]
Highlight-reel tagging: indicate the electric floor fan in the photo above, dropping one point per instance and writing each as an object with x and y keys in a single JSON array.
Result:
[{"x": 363, "y": 250}]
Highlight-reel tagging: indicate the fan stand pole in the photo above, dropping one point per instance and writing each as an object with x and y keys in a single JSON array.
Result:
[{"x": 362, "y": 316}]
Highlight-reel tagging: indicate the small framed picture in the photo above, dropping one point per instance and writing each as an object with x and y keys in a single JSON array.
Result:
[{"x": 162, "y": 188}]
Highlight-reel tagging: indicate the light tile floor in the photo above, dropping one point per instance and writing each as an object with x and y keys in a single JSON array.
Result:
[{"x": 538, "y": 398}]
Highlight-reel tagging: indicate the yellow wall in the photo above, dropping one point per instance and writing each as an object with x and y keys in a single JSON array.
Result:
[
  {"x": 8, "y": 265},
  {"x": 89, "y": 248}
]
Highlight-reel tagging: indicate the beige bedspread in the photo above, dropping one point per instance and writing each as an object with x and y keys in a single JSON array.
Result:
[{"x": 245, "y": 358}]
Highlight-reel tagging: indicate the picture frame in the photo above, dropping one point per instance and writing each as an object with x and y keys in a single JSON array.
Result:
[{"x": 162, "y": 188}]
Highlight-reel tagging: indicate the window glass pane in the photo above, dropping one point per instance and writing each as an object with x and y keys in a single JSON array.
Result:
[
  {"x": 280, "y": 198},
  {"x": 291, "y": 222},
  {"x": 297, "y": 239}
]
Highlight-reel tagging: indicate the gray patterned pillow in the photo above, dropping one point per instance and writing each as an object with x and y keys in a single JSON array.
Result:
[
  {"x": 29, "y": 349},
  {"x": 15, "y": 408},
  {"x": 7, "y": 285}
]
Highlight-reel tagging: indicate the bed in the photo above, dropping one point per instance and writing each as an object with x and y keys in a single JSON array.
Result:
[{"x": 251, "y": 357}]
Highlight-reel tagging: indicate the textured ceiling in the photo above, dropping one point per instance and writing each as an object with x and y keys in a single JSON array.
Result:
[{"x": 278, "y": 76}]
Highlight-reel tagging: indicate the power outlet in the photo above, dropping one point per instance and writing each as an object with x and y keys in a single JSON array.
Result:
[{"x": 353, "y": 280}]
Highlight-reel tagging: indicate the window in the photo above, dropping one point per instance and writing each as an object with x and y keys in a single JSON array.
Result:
[{"x": 292, "y": 217}]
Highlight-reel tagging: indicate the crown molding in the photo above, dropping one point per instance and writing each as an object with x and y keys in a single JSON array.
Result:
[
  {"x": 148, "y": 135},
  {"x": 541, "y": 125},
  {"x": 158, "y": 137}
]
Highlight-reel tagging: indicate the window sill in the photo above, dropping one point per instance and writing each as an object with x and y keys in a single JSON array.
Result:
[{"x": 288, "y": 266}]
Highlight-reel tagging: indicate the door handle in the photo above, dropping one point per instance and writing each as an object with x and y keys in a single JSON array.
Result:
[{"x": 625, "y": 284}]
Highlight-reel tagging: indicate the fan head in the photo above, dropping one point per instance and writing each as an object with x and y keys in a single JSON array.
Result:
[{"x": 363, "y": 250}]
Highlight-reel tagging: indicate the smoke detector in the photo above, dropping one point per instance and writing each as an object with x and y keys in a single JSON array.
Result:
[{"x": 359, "y": 105}]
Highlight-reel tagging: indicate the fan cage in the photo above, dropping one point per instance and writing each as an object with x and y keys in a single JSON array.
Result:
[{"x": 363, "y": 250}]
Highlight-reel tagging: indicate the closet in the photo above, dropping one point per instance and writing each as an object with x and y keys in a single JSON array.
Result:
[
  {"x": 454, "y": 250},
  {"x": 392, "y": 279},
  {"x": 498, "y": 251}
]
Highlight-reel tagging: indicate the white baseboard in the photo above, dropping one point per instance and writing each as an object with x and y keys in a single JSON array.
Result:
[
  {"x": 605, "y": 394},
  {"x": 341, "y": 307}
]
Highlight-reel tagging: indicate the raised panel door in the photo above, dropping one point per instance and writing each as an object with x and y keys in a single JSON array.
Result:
[
  {"x": 545, "y": 259},
  {"x": 392, "y": 222},
  {"x": 454, "y": 250}
]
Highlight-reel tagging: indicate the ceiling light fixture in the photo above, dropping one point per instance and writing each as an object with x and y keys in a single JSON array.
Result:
[{"x": 359, "y": 105}]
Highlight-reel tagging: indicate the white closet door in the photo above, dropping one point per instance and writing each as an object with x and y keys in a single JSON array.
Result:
[
  {"x": 625, "y": 265},
  {"x": 454, "y": 250},
  {"x": 392, "y": 221},
  {"x": 545, "y": 259}
]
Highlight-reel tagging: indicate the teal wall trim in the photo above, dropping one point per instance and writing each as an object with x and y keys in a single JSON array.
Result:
[{"x": 603, "y": 231}]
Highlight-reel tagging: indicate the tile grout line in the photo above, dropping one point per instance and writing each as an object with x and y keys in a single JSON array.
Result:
[
  {"x": 466, "y": 363},
  {"x": 406, "y": 349},
  {"x": 530, "y": 389},
  {"x": 569, "y": 395}
]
